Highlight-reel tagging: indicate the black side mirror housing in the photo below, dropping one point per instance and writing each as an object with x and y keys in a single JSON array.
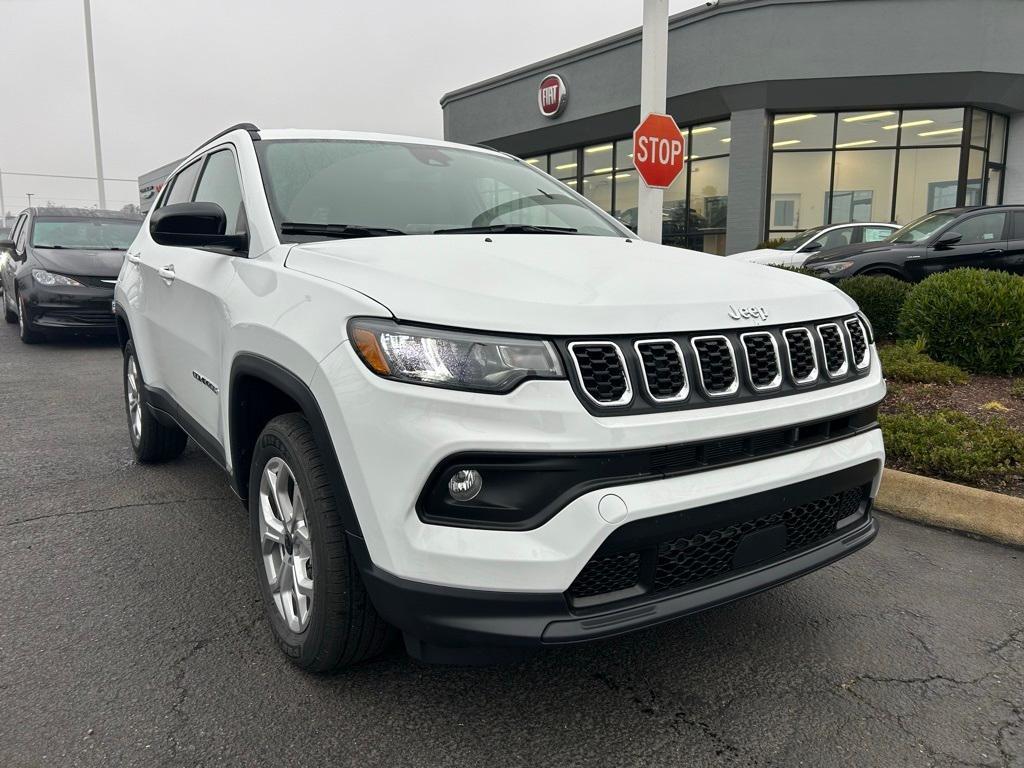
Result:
[
  {"x": 811, "y": 248},
  {"x": 948, "y": 239},
  {"x": 194, "y": 225}
]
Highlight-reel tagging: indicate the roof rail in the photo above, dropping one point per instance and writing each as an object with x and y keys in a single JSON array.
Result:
[{"x": 253, "y": 131}]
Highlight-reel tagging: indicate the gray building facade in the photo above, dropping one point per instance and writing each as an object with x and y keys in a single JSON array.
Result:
[{"x": 797, "y": 113}]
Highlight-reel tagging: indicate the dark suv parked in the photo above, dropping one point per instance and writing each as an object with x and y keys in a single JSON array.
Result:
[
  {"x": 989, "y": 237},
  {"x": 61, "y": 269}
]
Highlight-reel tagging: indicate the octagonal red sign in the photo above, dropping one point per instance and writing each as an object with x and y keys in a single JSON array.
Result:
[{"x": 658, "y": 150}]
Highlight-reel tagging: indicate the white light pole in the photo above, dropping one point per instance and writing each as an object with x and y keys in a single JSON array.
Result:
[
  {"x": 3, "y": 208},
  {"x": 653, "y": 77},
  {"x": 95, "y": 109}
]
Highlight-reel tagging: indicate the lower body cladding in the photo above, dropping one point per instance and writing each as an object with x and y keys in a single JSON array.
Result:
[
  {"x": 694, "y": 508},
  {"x": 70, "y": 310}
]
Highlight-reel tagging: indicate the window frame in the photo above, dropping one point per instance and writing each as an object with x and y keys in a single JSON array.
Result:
[
  {"x": 961, "y": 220},
  {"x": 228, "y": 147}
]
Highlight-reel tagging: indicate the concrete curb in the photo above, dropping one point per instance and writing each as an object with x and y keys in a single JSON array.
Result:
[{"x": 948, "y": 505}]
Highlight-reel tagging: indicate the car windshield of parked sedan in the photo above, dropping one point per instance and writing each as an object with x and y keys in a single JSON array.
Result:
[
  {"x": 920, "y": 230},
  {"x": 793, "y": 243},
  {"x": 85, "y": 233},
  {"x": 350, "y": 188}
]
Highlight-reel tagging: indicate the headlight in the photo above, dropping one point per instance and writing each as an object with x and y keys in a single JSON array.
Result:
[
  {"x": 455, "y": 359},
  {"x": 43, "y": 277},
  {"x": 834, "y": 267}
]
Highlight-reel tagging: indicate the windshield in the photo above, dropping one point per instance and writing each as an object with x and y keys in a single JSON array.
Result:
[
  {"x": 86, "y": 233},
  {"x": 920, "y": 230},
  {"x": 369, "y": 188},
  {"x": 793, "y": 243}
]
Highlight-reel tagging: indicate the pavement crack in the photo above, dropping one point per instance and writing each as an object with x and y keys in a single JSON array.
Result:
[{"x": 117, "y": 508}]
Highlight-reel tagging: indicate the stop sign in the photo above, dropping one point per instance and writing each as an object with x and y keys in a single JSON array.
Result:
[{"x": 658, "y": 150}]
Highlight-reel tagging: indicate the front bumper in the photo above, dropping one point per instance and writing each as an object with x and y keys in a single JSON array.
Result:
[
  {"x": 67, "y": 308},
  {"x": 446, "y": 624}
]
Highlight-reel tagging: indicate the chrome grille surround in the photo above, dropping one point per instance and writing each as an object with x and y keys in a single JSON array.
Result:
[
  {"x": 776, "y": 382},
  {"x": 684, "y": 392},
  {"x": 813, "y": 375},
  {"x": 627, "y": 395},
  {"x": 701, "y": 373},
  {"x": 841, "y": 370},
  {"x": 854, "y": 325}
]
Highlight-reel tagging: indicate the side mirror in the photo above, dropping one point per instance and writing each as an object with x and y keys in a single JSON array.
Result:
[
  {"x": 811, "y": 248},
  {"x": 194, "y": 225},
  {"x": 7, "y": 245},
  {"x": 948, "y": 239}
]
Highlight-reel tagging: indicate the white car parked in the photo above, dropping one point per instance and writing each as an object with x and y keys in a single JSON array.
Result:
[
  {"x": 795, "y": 251},
  {"x": 461, "y": 401}
]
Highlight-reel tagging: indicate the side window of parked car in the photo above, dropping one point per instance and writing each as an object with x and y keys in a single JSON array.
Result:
[
  {"x": 22, "y": 239},
  {"x": 219, "y": 184},
  {"x": 874, "y": 234},
  {"x": 18, "y": 226},
  {"x": 988, "y": 227},
  {"x": 182, "y": 185},
  {"x": 1018, "y": 225},
  {"x": 837, "y": 238}
]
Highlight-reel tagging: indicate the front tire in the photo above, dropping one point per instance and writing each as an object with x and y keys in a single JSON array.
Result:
[
  {"x": 25, "y": 330},
  {"x": 318, "y": 608},
  {"x": 151, "y": 441}
]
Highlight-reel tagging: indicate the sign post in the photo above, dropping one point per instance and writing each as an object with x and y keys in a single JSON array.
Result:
[{"x": 653, "y": 76}]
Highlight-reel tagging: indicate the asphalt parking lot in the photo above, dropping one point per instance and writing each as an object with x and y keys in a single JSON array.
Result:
[{"x": 131, "y": 634}]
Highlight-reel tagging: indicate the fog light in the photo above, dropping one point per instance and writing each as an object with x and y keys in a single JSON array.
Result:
[{"x": 465, "y": 485}]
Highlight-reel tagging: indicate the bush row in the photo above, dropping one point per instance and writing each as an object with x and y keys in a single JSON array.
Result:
[{"x": 969, "y": 318}]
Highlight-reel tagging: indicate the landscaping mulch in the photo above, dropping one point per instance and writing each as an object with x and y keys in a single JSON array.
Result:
[{"x": 971, "y": 399}]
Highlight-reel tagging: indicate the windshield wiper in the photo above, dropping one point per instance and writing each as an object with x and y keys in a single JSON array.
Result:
[
  {"x": 336, "y": 230},
  {"x": 509, "y": 229}
]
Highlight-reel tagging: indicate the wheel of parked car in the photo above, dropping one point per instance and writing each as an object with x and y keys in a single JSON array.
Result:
[
  {"x": 151, "y": 440},
  {"x": 27, "y": 333},
  {"x": 318, "y": 607}
]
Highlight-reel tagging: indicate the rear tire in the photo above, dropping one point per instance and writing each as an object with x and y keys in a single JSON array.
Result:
[
  {"x": 151, "y": 441},
  {"x": 317, "y": 605}
]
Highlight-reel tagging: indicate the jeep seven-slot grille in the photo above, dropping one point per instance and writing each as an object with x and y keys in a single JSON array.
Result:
[
  {"x": 858, "y": 341},
  {"x": 835, "y": 349},
  {"x": 621, "y": 374},
  {"x": 716, "y": 364},
  {"x": 802, "y": 360},
  {"x": 602, "y": 371},
  {"x": 713, "y": 552},
  {"x": 762, "y": 360},
  {"x": 663, "y": 369}
]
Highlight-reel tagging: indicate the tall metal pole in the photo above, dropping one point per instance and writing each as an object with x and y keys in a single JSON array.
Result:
[
  {"x": 29, "y": 196},
  {"x": 3, "y": 208},
  {"x": 653, "y": 77},
  {"x": 95, "y": 109}
]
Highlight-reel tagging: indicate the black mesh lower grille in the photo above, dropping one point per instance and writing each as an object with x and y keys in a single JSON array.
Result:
[
  {"x": 859, "y": 341},
  {"x": 601, "y": 371},
  {"x": 717, "y": 371},
  {"x": 835, "y": 349},
  {"x": 663, "y": 368},
  {"x": 801, "y": 353},
  {"x": 762, "y": 359},
  {"x": 712, "y": 552}
]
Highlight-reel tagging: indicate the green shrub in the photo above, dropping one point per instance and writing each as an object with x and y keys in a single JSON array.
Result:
[
  {"x": 969, "y": 317},
  {"x": 797, "y": 270},
  {"x": 1017, "y": 389},
  {"x": 881, "y": 298},
  {"x": 775, "y": 242},
  {"x": 906, "y": 361},
  {"x": 953, "y": 445}
]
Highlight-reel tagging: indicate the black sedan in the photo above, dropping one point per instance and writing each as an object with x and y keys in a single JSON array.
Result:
[
  {"x": 984, "y": 237},
  {"x": 60, "y": 270}
]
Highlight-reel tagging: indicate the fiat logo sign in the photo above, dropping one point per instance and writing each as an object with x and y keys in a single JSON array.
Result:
[{"x": 552, "y": 96}]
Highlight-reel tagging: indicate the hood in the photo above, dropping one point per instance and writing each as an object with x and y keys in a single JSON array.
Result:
[
  {"x": 564, "y": 285},
  {"x": 75, "y": 262},
  {"x": 761, "y": 255}
]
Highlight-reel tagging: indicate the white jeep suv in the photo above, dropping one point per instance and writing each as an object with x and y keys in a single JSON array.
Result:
[{"x": 461, "y": 401}]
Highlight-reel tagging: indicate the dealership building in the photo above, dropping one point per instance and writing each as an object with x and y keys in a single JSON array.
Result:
[{"x": 796, "y": 113}]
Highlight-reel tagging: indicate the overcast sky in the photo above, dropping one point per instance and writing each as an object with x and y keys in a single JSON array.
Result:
[{"x": 171, "y": 73}]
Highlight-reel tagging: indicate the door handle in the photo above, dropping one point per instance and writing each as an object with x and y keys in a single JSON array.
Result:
[
  {"x": 167, "y": 273},
  {"x": 134, "y": 258},
  {"x": 993, "y": 251}
]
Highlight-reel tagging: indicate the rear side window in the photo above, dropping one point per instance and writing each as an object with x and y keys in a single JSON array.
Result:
[
  {"x": 875, "y": 234},
  {"x": 1018, "y": 225},
  {"x": 219, "y": 184},
  {"x": 182, "y": 185},
  {"x": 982, "y": 229}
]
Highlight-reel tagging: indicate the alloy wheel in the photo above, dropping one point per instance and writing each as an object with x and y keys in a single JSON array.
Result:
[
  {"x": 134, "y": 403},
  {"x": 285, "y": 544}
]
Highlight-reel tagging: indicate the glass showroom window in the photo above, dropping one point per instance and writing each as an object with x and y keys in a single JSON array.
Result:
[{"x": 881, "y": 165}]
